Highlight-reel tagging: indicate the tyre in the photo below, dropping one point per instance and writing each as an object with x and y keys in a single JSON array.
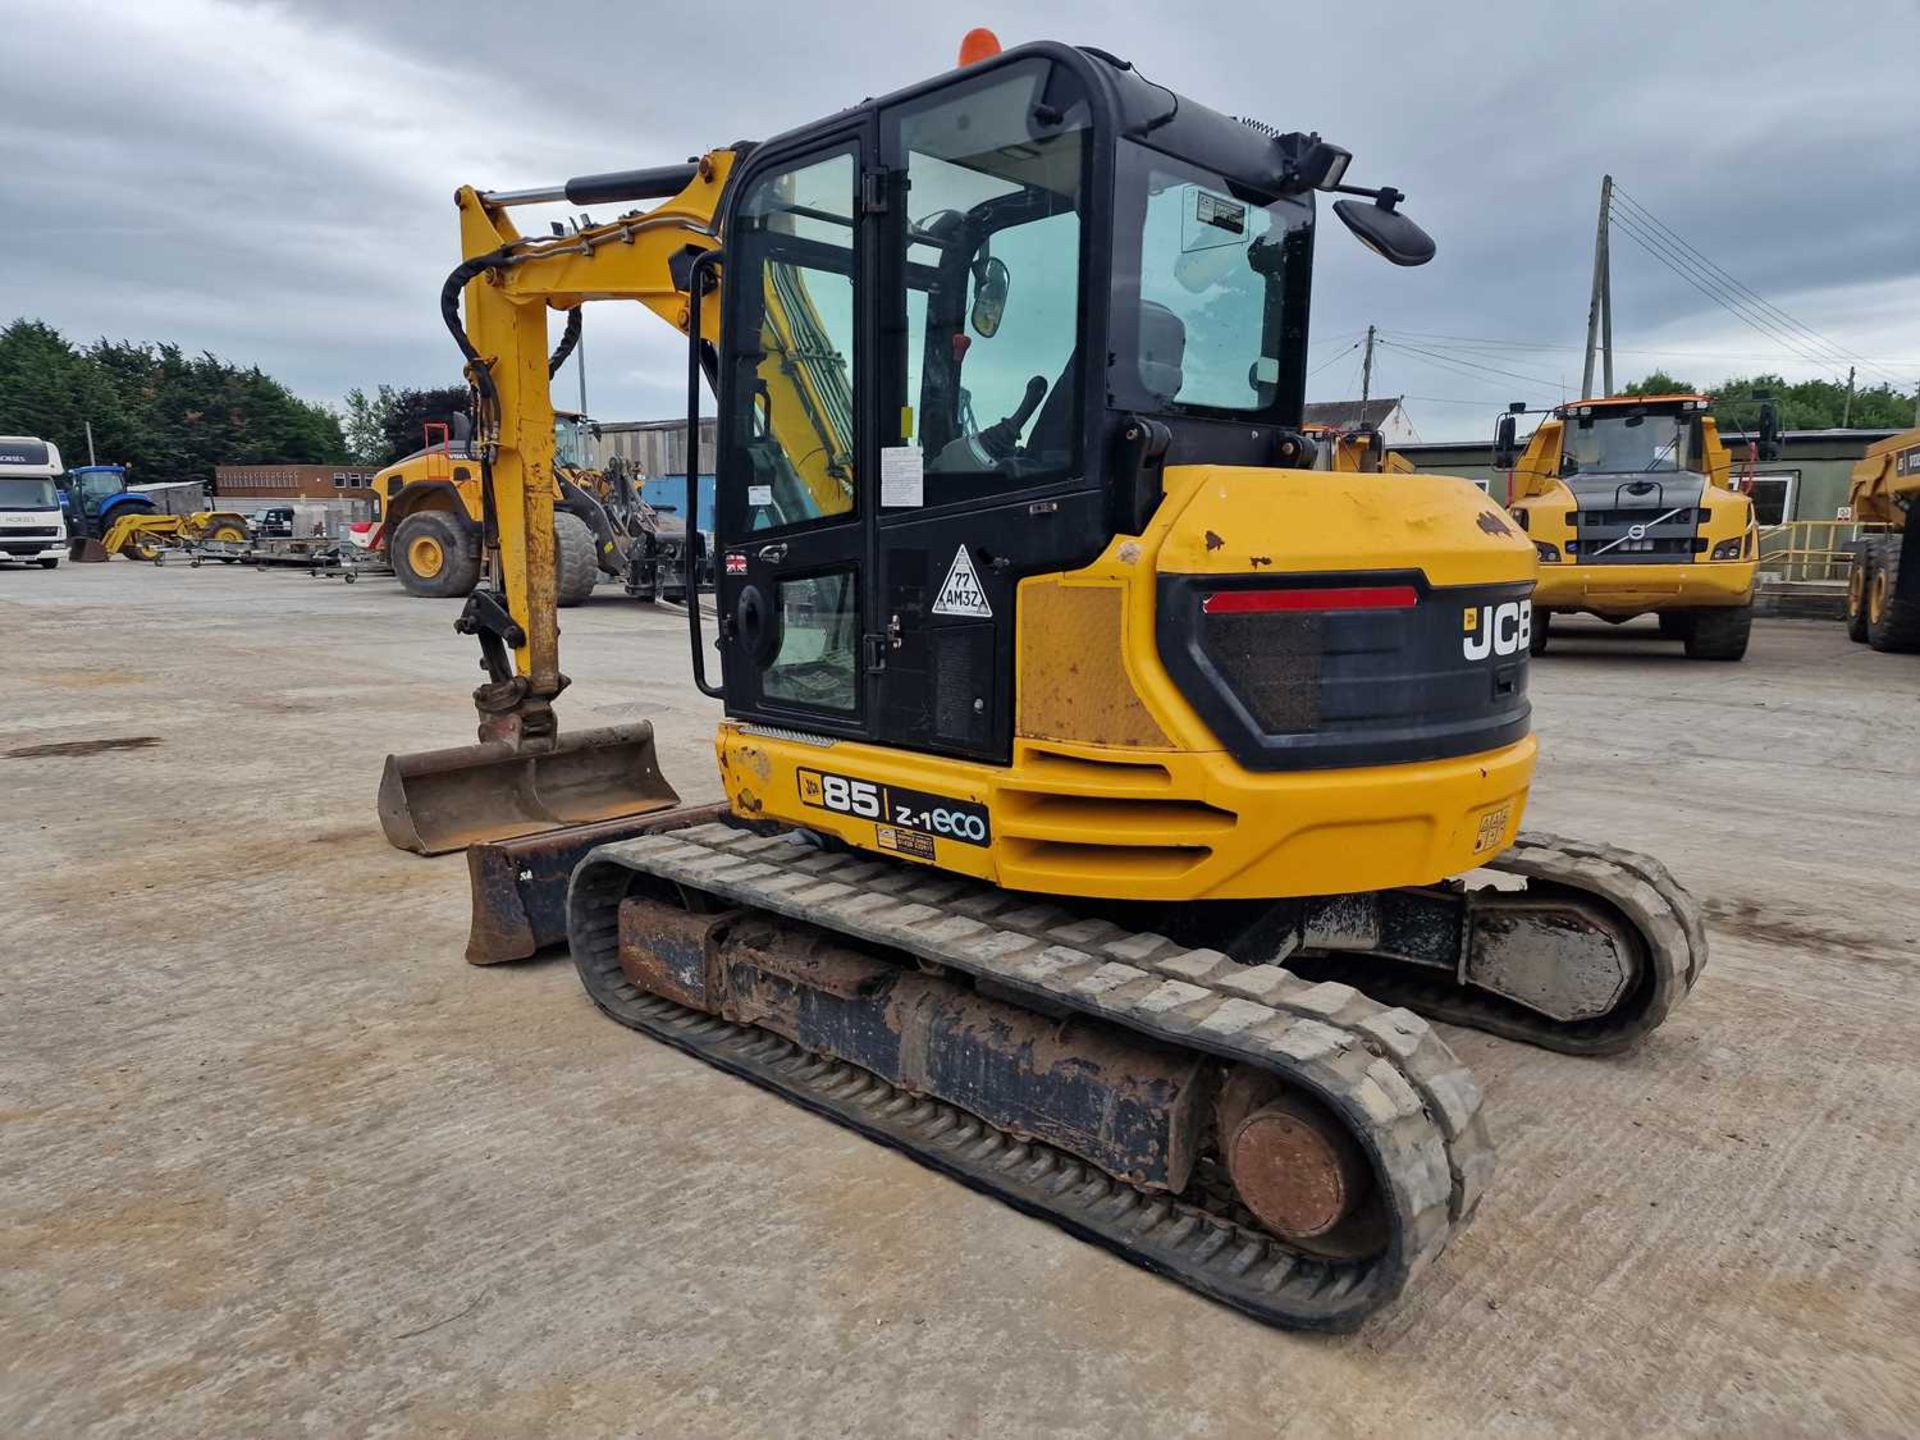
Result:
[
  {"x": 1859, "y": 578},
  {"x": 1542, "y": 626},
  {"x": 1675, "y": 624},
  {"x": 1892, "y": 623},
  {"x": 431, "y": 556},
  {"x": 1720, "y": 634},
  {"x": 52, "y": 563},
  {"x": 576, "y": 561},
  {"x": 230, "y": 532}
]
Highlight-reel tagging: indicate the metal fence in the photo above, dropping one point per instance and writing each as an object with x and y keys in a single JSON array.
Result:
[{"x": 1811, "y": 549}]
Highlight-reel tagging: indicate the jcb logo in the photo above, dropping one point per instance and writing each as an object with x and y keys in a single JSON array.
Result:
[{"x": 1496, "y": 629}]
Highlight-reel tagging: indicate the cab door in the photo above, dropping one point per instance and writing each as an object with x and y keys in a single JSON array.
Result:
[
  {"x": 984, "y": 473},
  {"x": 792, "y": 525}
]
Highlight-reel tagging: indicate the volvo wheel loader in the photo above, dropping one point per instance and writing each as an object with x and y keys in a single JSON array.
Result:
[
  {"x": 1631, "y": 505},
  {"x": 1100, "y": 781}
]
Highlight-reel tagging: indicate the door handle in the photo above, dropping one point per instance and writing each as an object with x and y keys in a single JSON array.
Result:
[{"x": 773, "y": 554}]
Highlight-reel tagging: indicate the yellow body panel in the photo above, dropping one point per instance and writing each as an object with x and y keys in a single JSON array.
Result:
[
  {"x": 1177, "y": 817},
  {"x": 1622, "y": 591},
  {"x": 1629, "y": 590},
  {"x": 1886, "y": 481},
  {"x": 1156, "y": 824}
]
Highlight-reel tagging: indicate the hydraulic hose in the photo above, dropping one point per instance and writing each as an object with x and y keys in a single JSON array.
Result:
[
  {"x": 567, "y": 342},
  {"x": 482, "y": 379}
]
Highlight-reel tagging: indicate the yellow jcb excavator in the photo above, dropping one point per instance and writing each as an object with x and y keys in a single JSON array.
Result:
[{"x": 1097, "y": 776}]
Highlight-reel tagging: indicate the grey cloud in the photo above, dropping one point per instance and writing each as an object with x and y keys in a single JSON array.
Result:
[{"x": 308, "y": 230}]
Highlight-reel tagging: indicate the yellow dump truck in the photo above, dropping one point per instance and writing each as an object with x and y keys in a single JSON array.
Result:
[
  {"x": 1883, "y": 591},
  {"x": 1632, "y": 509}
]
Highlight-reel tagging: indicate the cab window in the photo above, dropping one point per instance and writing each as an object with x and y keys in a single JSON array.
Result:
[
  {"x": 986, "y": 248},
  {"x": 792, "y": 243}
]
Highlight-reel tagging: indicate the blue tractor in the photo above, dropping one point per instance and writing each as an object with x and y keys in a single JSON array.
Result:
[{"x": 93, "y": 497}]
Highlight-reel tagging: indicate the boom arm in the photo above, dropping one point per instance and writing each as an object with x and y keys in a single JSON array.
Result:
[{"x": 508, "y": 282}]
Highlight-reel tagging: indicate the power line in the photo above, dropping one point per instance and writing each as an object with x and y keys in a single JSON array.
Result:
[
  {"x": 1332, "y": 361},
  {"x": 1654, "y": 222},
  {"x": 1535, "y": 378},
  {"x": 1714, "y": 291},
  {"x": 1473, "y": 342}
]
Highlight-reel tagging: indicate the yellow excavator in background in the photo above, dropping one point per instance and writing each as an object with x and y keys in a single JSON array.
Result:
[
  {"x": 1883, "y": 589},
  {"x": 432, "y": 516},
  {"x": 1362, "y": 451},
  {"x": 1097, "y": 773},
  {"x": 1632, "y": 508}
]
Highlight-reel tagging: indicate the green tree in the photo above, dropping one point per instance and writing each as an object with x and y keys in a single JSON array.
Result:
[
  {"x": 170, "y": 415},
  {"x": 1800, "y": 404},
  {"x": 365, "y": 425},
  {"x": 413, "y": 410}
]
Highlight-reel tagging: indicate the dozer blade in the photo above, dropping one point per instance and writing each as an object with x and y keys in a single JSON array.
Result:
[
  {"x": 519, "y": 886},
  {"x": 87, "y": 551},
  {"x": 436, "y": 801}
]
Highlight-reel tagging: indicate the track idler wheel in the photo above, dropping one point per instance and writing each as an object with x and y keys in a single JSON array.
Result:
[{"x": 1297, "y": 1168}]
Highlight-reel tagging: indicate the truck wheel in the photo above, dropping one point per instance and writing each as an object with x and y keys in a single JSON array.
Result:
[
  {"x": 49, "y": 564},
  {"x": 1542, "y": 626},
  {"x": 1892, "y": 623},
  {"x": 576, "y": 559},
  {"x": 1859, "y": 578},
  {"x": 431, "y": 556},
  {"x": 1674, "y": 624},
  {"x": 1720, "y": 634}
]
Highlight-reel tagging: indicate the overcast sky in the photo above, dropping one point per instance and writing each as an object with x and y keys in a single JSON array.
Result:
[{"x": 273, "y": 182}]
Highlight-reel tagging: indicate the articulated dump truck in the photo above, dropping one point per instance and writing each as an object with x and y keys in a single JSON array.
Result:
[
  {"x": 1631, "y": 507},
  {"x": 1883, "y": 585}
]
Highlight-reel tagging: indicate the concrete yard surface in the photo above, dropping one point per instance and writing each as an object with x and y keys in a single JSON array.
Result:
[{"x": 277, "y": 1162}]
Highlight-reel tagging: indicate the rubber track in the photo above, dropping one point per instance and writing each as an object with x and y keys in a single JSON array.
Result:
[
  {"x": 1411, "y": 1103},
  {"x": 1666, "y": 917}
]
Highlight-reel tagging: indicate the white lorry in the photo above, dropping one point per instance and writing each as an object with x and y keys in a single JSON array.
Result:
[{"x": 32, "y": 524}]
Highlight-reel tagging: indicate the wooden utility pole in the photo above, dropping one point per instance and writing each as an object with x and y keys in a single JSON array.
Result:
[
  {"x": 1600, "y": 300},
  {"x": 1846, "y": 415},
  {"x": 1366, "y": 376}
]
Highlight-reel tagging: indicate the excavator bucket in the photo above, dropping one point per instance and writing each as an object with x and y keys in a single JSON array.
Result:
[
  {"x": 85, "y": 550},
  {"x": 436, "y": 801}
]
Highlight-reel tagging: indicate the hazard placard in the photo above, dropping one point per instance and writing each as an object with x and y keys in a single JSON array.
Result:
[{"x": 960, "y": 592}]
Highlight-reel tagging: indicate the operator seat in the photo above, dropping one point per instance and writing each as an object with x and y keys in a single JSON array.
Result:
[{"x": 1163, "y": 349}]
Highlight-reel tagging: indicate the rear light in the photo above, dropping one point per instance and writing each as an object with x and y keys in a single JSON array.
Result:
[
  {"x": 1346, "y": 597},
  {"x": 1729, "y": 549},
  {"x": 1549, "y": 554},
  {"x": 1521, "y": 517}
]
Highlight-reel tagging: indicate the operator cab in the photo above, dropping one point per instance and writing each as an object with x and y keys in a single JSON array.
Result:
[{"x": 965, "y": 326}]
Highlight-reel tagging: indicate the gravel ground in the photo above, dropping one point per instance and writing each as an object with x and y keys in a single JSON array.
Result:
[{"x": 277, "y": 1162}]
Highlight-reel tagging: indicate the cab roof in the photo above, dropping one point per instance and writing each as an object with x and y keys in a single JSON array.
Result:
[{"x": 1627, "y": 402}]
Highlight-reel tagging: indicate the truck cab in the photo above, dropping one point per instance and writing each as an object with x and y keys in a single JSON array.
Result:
[
  {"x": 1631, "y": 507},
  {"x": 32, "y": 523}
]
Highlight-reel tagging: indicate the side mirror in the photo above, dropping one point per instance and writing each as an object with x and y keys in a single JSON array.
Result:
[
  {"x": 1506, "y": 443},
  {"x": 991, "y": 282},
  {"x": 1769, "y": 445},
  {"x": 1385, "y": 231},
  {"x": 460, "y": 424}
]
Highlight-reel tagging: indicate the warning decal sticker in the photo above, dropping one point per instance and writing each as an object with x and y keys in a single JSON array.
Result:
[{"x": 960, "y": 593}]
